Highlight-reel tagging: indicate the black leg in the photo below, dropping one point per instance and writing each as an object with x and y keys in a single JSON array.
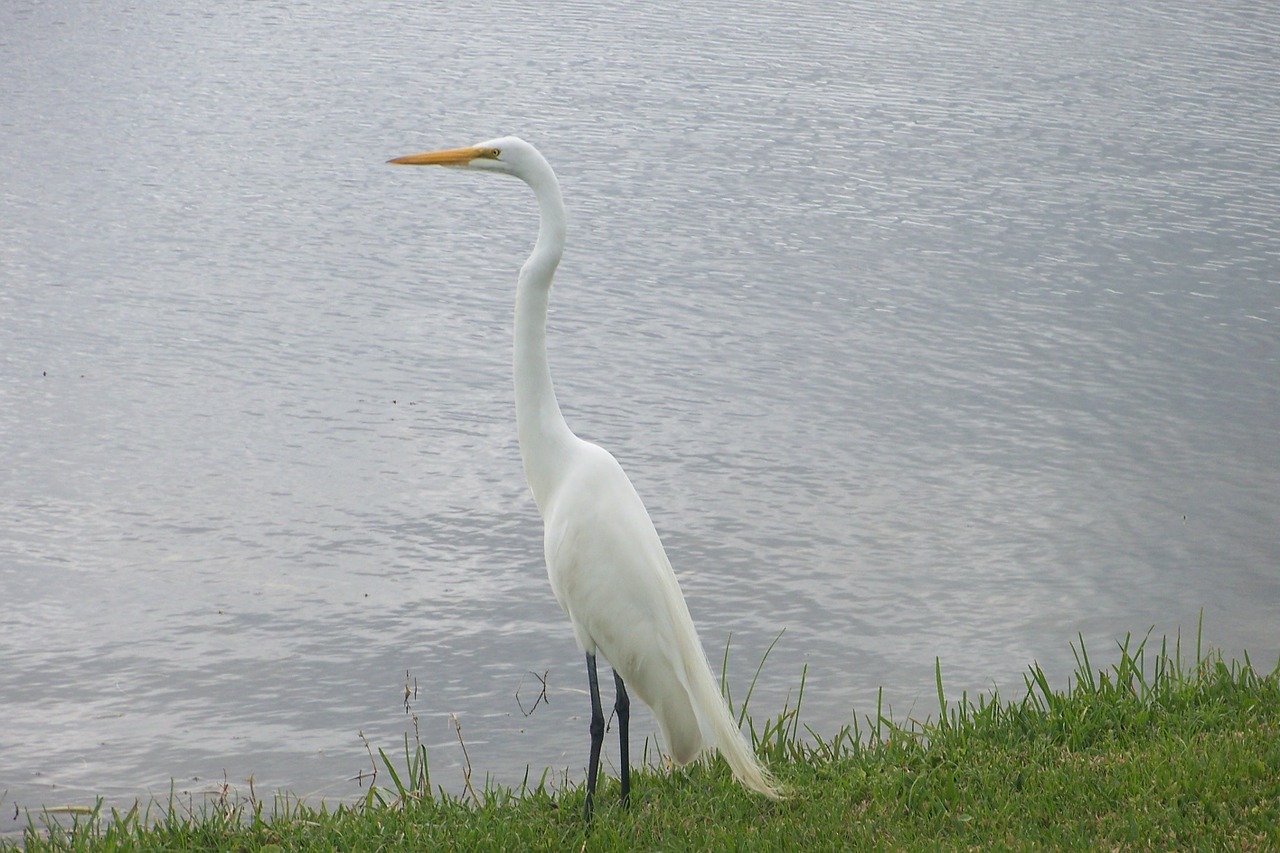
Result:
[
  {"x": 622, "y": 706},
  {"x": 597, "y": 734}
]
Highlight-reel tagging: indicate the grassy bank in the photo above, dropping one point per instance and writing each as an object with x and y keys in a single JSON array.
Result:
[{"x": 1149, "y": 752}]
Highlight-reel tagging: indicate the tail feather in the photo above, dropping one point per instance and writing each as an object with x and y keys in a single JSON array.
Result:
[{"x": 720, "y": 730}]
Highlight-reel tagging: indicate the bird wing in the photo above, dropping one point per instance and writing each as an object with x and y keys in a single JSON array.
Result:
[{"x": 611, "y": 575}]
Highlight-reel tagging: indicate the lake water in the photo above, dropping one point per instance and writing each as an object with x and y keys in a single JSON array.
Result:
[{"x": 925, "y": 330}]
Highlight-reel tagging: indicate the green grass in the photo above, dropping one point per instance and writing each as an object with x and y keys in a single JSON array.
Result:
[{"x": 1151, "y": 752}]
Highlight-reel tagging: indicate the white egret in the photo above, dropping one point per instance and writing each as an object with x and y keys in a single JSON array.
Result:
[{"x": 607, "y": 566}]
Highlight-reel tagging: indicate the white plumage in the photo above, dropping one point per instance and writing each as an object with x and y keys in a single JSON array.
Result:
[{"x": 606, "y": 564}]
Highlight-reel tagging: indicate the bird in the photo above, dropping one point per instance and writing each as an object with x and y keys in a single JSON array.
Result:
[{"x": 606, "y": 563}]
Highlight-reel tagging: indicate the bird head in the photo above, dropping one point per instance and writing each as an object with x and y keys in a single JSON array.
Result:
[{"x": 508, "y": 155}]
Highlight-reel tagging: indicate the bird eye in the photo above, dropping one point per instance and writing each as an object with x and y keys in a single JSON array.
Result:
[{"x": 493, "y": 153}]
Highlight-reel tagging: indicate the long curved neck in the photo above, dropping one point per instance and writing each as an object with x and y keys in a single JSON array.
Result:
[{"x": 545, "y": 438}]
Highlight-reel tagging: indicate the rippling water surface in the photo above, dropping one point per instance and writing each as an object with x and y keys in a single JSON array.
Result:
[{"x": 942, "y": 331}]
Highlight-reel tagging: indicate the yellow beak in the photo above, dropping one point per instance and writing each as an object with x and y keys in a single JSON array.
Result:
[{"x": 451, "y": 157}]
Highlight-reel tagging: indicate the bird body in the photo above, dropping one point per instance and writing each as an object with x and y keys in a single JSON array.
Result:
[
  {"x": 611, "y": 576},
  {"x": 605, "y": 560}
]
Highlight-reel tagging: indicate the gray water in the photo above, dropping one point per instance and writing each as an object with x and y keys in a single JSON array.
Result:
[{"x": 926, "y": 330}]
